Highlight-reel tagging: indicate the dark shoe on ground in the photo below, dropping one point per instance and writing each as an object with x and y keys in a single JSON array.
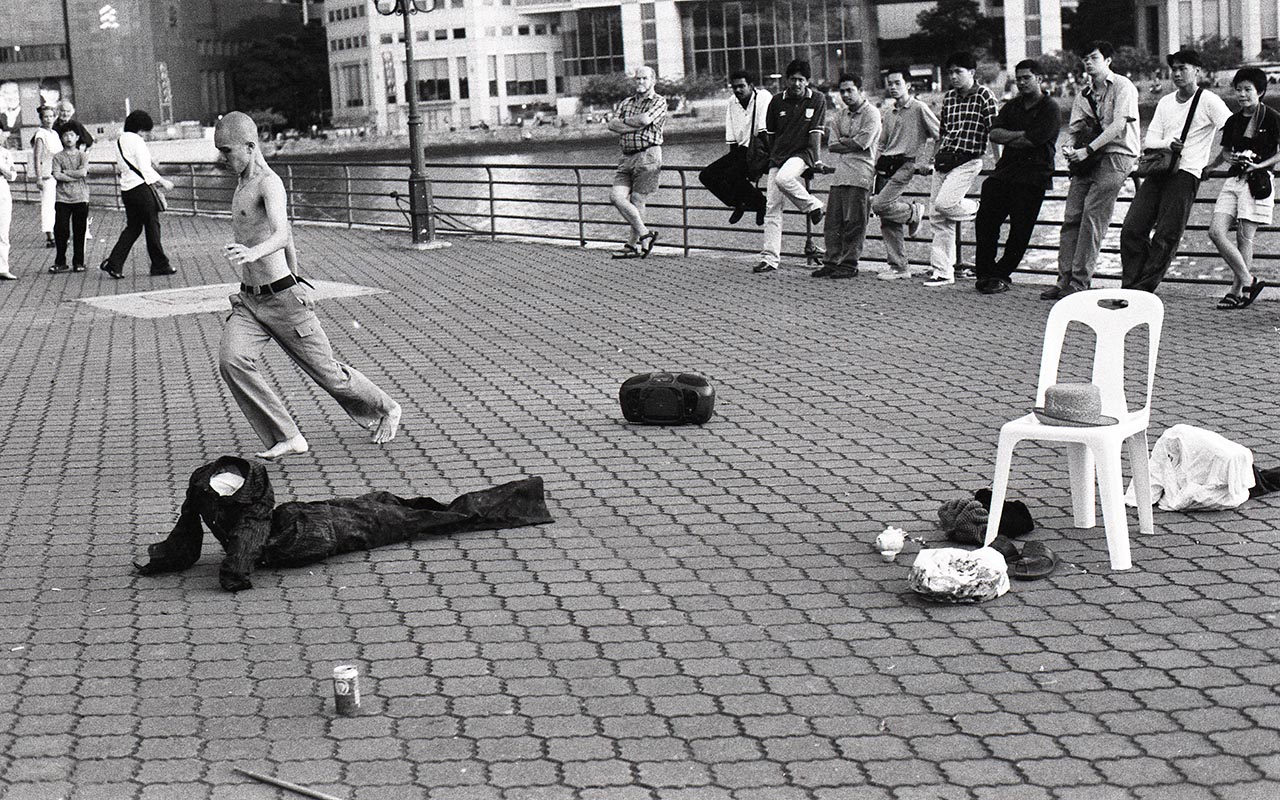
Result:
[
  {"x": 822, "y": 272},
  {"x": 760, "y": 217},
  {"x": 736, "y": 215},
  {"x": 77, "y": 267},
  {"x": 841, "y": 274},
  {"x": 815, "y": 216},
  {"x": 1006, "y": 548},
  {"x": 1052, "y": 293},
  {"x": 1037, "y": 561},
  {"x": 50, "y": 243},
  {"x": 114, "y": 272},
  {"x": 764, "y": 266},
  {"x": 1252, "y": 293},
  {"x": 645, "y": 243},
  {"x": 1230, "y": 300},
  {"x": 996, "y": 286},
  {"x": 57, "y": 268},
  {"x": 626, "y": 251},
  {"x": 966, "y": 274},
  {"x": 164, "y": 271}
]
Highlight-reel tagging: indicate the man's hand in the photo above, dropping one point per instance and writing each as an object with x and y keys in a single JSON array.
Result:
[
  {"x": 166, "y": 183},
  {"x": 236, "y": 254},
  {"x": 1076, "y": 154},
  {"x": 641, "y": 120},
  {"x": 1176, "y": 145}
]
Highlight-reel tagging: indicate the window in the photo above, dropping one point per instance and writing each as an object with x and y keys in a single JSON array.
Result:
[
  {"x": 351, "y": 85},
  {"x": 464, "y": 90},
  {"x": 455, "y": 4},
  {"x": 593, "y": 43},
  {"x": 423, "y": 36},
  {"x": 506, "y": 30},
  {"x": 493, "y": 76},
  {"x": 459, "y": 33},
  {"x": 441, "y": 34},
  {"x": 490, "y": 32},
  {"x": 433, "y": 79},
  {"x": 386, "y": 38},
  {"x": 557, "y": 58},
  {"x": 522, "y": 30},
  {"x": 527, "y": 73},
  {"x": 555, "y": 29},
  {"x": 539, "y": 30}
]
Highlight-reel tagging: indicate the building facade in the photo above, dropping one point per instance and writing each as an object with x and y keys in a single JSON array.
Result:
[
  {"x": 1032, "y": 28},
  {"x": 1164, "y": 26},
  {"x": 168, "y": 57}
]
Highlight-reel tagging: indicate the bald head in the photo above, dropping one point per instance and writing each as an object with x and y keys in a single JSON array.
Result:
[{"x": 237, "y": 127}]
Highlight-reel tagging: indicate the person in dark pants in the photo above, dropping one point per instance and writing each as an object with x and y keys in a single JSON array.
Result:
[
  {"x": 728, "y": 177},
  {"x": 1027, "y": 127},
  {"x": 1185, "y": 122},
  {"x": 854, "y": 135},
  {"x": 141, "y": 211}
]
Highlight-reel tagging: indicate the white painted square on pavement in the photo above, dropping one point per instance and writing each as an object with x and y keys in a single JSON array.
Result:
[{"x": 202, "y": 299}]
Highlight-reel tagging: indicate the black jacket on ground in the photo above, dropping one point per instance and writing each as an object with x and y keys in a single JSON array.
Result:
[{"x": 253, "y": 533}]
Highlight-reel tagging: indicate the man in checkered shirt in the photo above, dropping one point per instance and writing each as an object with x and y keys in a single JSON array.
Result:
[
  {"x": 638, "y": 120},
  {"x": 968, "y": 111}
]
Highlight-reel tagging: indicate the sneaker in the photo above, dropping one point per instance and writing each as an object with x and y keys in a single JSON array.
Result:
[
  {"x": 760, "y": 217},
  {"x": 823, "y": 272},
  {"x": 1052, "y": 293},
  {"x": 894, "y": 273},
  {"x": 993, "y": 286},
  {"x": 917, "y": 219},
  {"x": 764, "y": 266},
  {"x": 966, "y": 274},
  {"x": 815, "y": 216},
  {"x": 935, "y": 280}
]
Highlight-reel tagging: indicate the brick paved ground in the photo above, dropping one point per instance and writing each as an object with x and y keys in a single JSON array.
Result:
[{"x": 705, "y": 620}]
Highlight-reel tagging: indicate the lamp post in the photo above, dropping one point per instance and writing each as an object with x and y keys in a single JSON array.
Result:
[{"x": 420, "y": 216}]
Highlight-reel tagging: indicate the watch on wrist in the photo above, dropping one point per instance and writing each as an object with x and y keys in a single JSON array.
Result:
[{"x": 1088, "y": 148}]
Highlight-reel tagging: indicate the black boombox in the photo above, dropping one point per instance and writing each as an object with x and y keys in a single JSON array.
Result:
[{"x": 664, "y": 398}]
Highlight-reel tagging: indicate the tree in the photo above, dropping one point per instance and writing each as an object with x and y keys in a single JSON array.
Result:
[
  {"x": 1134, "y": 62},
  {"x": 288, "y": 73},
  {"x": 954, "y": 25},
  {"x": 1220, "y": 52},
  {"x": 607, "y": 90},
  {"x": 1109, "y": 20}
]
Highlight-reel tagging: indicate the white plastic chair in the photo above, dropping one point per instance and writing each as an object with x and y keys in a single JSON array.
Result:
[{"x": 1098, "y": 448}]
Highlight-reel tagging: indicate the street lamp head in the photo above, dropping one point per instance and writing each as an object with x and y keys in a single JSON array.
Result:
[{"x": 389, "y": 7}]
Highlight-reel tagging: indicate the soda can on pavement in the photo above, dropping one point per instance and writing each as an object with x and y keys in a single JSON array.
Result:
[{"x": 346, "y": 690}]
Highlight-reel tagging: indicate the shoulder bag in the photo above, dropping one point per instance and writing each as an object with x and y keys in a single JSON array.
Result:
[
  {"x": 757, "y": 148},
  {"x": 1087, "y": 165},
  {"x": 156, "y": 191},
  {"x": 1159, "y": 163}
]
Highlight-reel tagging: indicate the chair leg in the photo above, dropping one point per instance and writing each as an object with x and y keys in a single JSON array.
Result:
[
  {"x": 1080, "y": 462},
  {"x": 1139, "y": 459},
  {"x": 1114, "y": 516},
  {"x": 1000, "y": 485}
]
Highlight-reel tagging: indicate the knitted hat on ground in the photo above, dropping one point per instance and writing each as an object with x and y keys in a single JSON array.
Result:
[{"x": 965, "y": 521}]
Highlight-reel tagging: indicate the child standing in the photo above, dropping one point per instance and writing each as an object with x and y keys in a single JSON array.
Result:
[{"x": 71, "y": 209}]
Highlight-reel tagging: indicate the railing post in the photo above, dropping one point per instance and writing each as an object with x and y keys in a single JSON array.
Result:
[
  {"x": 288, "y": 182},
  {"x": 346, "y": 176},
  {"x": 684, "y": 210},
  {"x": 191, "y": 175},
  {"x": 582, "y": 224},
  {"x": 493, "y": 224}
]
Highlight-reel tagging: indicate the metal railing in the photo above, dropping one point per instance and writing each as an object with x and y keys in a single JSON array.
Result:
[{"x": 570, "y": 203}]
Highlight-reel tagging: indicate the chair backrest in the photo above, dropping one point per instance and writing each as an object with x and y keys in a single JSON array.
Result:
[{"x": 1097, "y": 309}]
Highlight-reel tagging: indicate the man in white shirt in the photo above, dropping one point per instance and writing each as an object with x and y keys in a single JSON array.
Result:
[
  {"x": 728, "y": 177},
  {"x": 1161, "y": 206}
]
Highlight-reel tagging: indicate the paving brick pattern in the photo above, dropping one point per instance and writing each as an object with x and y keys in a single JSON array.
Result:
[{"x": 705, "y": 620}]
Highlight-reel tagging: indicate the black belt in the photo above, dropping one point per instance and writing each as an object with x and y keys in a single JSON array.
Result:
[
  {"x": 641, "y": 150},
  {"x": 270, "y": 288}
]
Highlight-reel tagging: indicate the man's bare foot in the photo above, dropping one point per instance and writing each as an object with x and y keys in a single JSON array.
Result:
[
  {"x": 288, "y": 447},
  {"x": 388, "y": 425}
]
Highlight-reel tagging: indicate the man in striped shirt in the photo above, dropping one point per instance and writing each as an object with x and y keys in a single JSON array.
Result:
[
  {"x": 638, "y": 120},
  {"x": 968, "y": 111}
]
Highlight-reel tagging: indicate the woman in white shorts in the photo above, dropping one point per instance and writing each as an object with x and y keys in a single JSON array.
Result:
[{"x": 1249, "y": 145}]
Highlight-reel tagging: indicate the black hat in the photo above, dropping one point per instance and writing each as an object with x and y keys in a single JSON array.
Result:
[{"x": 1185, "y": 56}]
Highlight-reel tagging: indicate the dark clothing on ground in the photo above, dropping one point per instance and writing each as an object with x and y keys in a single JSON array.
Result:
[
  {"x": 1020, "y": 204},
  {"x": 70, "y": 220},
  {"x": 140, "y": 214},
  {"x": 86, "y": 138},
  {"x": 1039, "y": 124},
  {"x": 1153, "y": 228},
  {"x": 848, "y": 210},
  {"x": 252, "y": 534},
  {"x": 789, "y": 123},
  {"x": 726, "y": 178}
]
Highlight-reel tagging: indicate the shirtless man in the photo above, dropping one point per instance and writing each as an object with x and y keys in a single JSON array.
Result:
[{"x": 273, "y": 303}]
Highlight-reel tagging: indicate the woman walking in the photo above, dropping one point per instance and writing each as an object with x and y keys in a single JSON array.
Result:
[
  {"x": 141, "y": 207},
  {"x": 1249, "y": 144},
  {"x": 7, "y": 173}
]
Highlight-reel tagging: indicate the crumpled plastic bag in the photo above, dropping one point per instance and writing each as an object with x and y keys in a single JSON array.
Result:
[
  {"x": 1196, "y": 469},
  {"x": 951, "y": 575}
]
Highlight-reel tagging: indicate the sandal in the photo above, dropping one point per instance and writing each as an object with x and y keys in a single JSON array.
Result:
[
  {"x": 1252, "y": 293},
  {"x": 645, "y": 243},
  {"x": 1230, "y": 301},
  {"x": 626, "y": 251}
]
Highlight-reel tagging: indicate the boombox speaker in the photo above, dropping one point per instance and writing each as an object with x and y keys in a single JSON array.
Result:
[{"x": 666, "y": 398}]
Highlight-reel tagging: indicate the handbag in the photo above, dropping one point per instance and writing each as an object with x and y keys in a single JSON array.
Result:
[
  {"x": 1086, "y": 165},
  {"x": 157, "y": 193},
  {"x": 888, "y": 166},
  {"x": 947, "y": 160},
  {"x": 1259, "y": 183},
  {"x": 1155, "y": 163},
  {"x": 757, "y": 147}
]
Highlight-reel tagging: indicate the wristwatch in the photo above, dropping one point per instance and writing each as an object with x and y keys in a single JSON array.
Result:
[{"x": 1088, "y": 148}]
